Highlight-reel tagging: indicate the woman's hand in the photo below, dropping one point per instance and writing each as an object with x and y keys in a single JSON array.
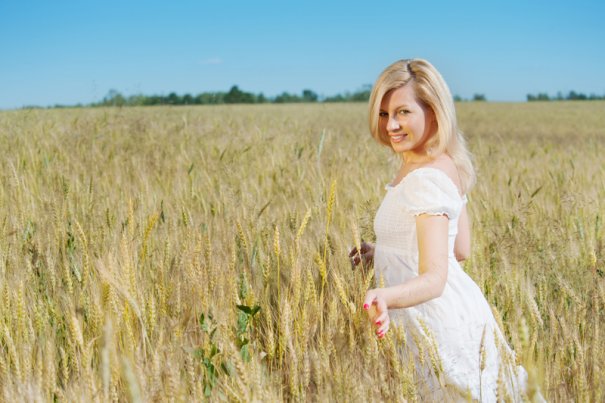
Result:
[
  {"x": 365, "y": 254},
  {"x": 376, "y": 306}
]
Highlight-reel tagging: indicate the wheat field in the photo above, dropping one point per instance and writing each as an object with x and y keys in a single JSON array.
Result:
[{"x": 192, "y": 253}]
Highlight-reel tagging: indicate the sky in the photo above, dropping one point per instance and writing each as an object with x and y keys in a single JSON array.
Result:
[{"x": 69, "y": 52}]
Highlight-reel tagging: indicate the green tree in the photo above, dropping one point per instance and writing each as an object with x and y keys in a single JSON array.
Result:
[
  {"x": 363, "y": 94},
  {"x": 173, "y": 99},
  {"x": 237, "y": 96},
  {"x": 309, "y": 96},
  {"x": 114, "y": 98},
  {"x": 286, "y": 97}
]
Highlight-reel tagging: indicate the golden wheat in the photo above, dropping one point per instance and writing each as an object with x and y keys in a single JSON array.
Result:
[{"x": 129, "y": 237}]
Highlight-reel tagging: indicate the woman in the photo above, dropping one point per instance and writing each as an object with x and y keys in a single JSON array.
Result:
[{"x": 422, "y": 232}]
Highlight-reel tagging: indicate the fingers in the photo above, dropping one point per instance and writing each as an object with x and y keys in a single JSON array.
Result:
[
  {"x": 382, "y": 326},
  {"x": 365, "y": 247},
  {"x": 369, "y": 300},
  {"x": 381, "y": 333},
  {"x": 382, "y": 320},
  {"x": 356, "y": 256},
  {"x": 365, "y": 251},
  {"x": 355, "y": 259}
]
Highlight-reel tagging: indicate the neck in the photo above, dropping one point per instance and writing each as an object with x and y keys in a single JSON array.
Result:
[{"x": 415, "y": 157}]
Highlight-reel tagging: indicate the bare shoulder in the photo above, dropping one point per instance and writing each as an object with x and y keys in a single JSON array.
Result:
[{"x": 446, "y": 164}]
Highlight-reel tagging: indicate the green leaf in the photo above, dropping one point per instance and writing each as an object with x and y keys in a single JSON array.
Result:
[
  {"x": 212, "y": 373},
  {"x": 245, "y": 309},
  {"x": 255, "y": 310},
  {"x": 203, "y": 323},
  {"x": 535, "y": 192},
  {"x": 245, "y": 352},
  {"x": 241, "y": 342},
  {"x": 249, "y": 310},
  {"x": 242, "y": 323},
  {"x": 227, "y": 367},
  {"x": 214, "y": 351}
]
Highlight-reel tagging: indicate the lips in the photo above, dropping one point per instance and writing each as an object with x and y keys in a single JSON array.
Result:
[{"x": 398, "y": 138}]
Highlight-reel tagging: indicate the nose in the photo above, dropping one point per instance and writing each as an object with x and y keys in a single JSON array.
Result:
[{"x": 392, "y": 124}]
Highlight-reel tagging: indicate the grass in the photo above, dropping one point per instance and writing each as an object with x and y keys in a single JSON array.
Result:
[{"x": 139, "y": 244}]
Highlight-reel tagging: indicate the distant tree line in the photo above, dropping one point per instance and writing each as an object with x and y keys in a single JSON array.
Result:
[
  {"x": 476, "y": 97},
  {"x": 234, "y": 96},
  {"x": 571, "y": 96},
  {"x": 237, "y": 96}
]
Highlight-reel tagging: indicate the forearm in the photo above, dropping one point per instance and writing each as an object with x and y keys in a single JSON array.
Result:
[
  {"x": 415, "y": 291},
  {"x": 432, "y": 266}
]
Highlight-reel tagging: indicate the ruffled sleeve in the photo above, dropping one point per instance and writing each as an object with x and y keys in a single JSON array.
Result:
[{"x": 430, "y": 191}]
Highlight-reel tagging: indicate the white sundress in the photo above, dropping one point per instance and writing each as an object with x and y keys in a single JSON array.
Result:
[{"x": 458, "y": 327}]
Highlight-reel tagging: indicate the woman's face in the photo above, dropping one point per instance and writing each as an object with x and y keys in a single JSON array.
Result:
[{"x": 408, "y": 122}]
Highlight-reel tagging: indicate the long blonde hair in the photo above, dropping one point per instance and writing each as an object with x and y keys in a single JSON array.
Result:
[{"x": 431, "y": 89}]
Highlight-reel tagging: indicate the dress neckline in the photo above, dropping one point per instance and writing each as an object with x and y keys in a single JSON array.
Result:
[{"x": 390, "y": 187}]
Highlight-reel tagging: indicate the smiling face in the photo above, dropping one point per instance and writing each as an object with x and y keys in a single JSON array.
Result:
[{"x": 408, "y": 122}]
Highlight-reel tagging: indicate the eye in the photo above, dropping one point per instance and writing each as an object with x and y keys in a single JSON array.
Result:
[
  {"x": 403, "y": 111},
  {"x": 383, "y": 114}
]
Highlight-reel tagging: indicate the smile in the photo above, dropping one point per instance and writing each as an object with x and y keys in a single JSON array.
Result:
[{"x": 398, "y": 138}]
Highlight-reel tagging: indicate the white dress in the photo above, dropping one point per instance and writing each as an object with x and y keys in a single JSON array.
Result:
[{"x": 455, "y": 340}]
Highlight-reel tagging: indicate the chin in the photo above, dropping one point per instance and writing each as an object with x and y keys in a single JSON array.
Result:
[{"x": 399, "y": 148}]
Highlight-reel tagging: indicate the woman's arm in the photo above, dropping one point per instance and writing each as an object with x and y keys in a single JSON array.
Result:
[
  {"x": 432, "y": 265},
  {"x": 462, "y": 245},
  {"x": 432, "y": 234}
]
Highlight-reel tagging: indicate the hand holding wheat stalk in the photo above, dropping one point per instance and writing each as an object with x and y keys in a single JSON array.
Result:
[{"x": 375, "y": 305}]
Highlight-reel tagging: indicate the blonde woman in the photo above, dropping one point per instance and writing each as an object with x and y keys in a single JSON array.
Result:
[{"x": 422, "y": 232}]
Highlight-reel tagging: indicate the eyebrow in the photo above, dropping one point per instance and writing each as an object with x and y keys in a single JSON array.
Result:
[{"x": 398, "y": 107}]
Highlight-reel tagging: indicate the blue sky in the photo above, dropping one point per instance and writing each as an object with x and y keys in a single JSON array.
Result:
[{"x": 76, "y": 51}]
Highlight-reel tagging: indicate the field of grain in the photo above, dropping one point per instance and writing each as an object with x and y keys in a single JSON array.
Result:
[{"x": 167, "y": 254}]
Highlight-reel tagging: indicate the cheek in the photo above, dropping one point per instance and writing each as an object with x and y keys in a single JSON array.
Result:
[
  {"x": 419, "y": 125},
  {"x": 382, "y": 130}
]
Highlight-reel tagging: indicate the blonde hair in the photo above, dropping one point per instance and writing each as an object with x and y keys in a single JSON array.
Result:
[{"x": 430, "y": 89}]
